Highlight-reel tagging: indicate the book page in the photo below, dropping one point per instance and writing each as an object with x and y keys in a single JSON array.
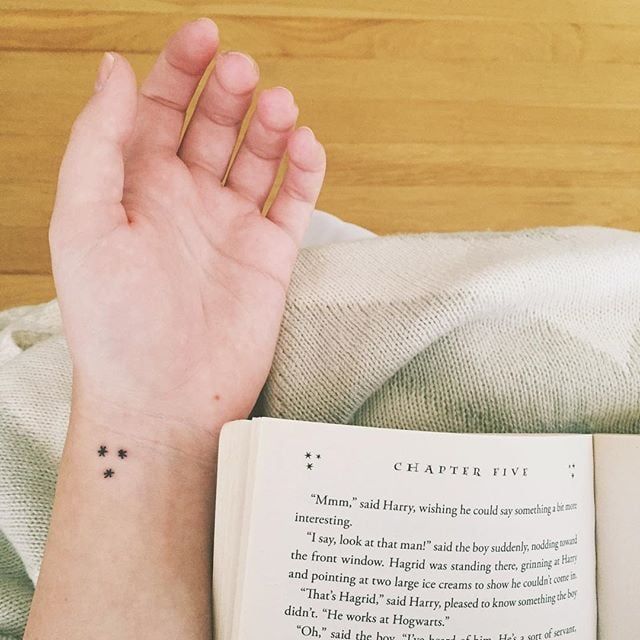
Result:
[
  {"x": 617, "y": 486},
  {"x": 233, "y": 490},
  {"x": 364, "y": 533}
]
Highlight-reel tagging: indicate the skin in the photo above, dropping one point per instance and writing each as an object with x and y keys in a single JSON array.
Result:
[{"x": 171, "y": 285}]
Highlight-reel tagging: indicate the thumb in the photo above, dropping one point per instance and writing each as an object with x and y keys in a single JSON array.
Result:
[{"x": 91, "y": 175}]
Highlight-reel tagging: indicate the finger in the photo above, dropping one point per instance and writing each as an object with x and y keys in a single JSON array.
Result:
[
  {"x": 256, "y": 165},
  {"x": 168, "y": 89},
  {"x": 212, "y": 132},
  {"x": 91, "y": 176},
  {"x": 298, "y": 193}
]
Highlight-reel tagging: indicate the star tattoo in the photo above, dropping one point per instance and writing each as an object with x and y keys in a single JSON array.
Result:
[
  {"x": 307, "y": 455},
  {"x": 102, "y": 451},
  {"x": 122, "y": 453},
  {"x": 310, "y": 466},
  {"x": 108, "y": 473},
  {"x": 318, "y": 456}
]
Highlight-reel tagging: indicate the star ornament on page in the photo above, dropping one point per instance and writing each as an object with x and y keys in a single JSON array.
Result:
[{"x": 309, "y": 457}]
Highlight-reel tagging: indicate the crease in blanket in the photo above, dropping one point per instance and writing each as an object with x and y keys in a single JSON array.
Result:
[{"x": 528, "y": 331}]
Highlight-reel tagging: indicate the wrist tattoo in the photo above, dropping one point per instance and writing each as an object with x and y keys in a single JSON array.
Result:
[{"x": 102, "y": 453}]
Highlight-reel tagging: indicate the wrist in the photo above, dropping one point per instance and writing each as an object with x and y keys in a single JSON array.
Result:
[
  {"x": 168, "y": 438},
  {"x": 131, "y": 529}
]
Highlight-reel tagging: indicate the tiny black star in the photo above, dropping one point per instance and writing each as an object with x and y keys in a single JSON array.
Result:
[
  {"x": 318, "y": 456},
  {"x": 310, "y": 466},
  {"x": 102, "y": 451},
  {"x": 108, "y": 473},
  {"x": 122, "y": 453},
  {"x": 307, "y": 455}
]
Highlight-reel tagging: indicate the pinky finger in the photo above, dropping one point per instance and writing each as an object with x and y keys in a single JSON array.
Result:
[{"x": 298, "y": 193}]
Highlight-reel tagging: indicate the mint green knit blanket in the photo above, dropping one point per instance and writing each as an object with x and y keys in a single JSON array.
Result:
[{"x": 529, "y": 331}]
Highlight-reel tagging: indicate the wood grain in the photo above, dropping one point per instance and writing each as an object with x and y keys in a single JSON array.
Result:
[
  {"x": 439, "y": 115},
  {"x": 19, "y": 290}
]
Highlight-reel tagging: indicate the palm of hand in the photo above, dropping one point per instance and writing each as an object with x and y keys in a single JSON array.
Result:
[{"x": 172, "y": 295}]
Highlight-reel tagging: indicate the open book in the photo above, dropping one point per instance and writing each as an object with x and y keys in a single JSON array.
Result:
[{"x": 366, "y": 533}]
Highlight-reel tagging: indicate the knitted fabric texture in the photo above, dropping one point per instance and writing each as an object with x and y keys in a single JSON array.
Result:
[{"x": 528, "y": 331}]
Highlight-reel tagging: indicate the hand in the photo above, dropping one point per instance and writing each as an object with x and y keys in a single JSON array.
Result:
[{"x": 172, "y": 285}]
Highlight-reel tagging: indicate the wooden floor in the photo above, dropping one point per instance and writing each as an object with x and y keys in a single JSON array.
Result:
[{"x": 437, "y": 114}]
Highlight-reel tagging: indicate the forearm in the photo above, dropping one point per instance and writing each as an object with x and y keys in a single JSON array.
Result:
[{"x": 129, "y": 550}]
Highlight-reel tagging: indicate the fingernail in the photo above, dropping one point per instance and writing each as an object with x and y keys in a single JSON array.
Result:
[
  {"x": 288, "y": 92},
  {"x": 104, "y": 71},
  {"x": 208, "y": 21},
  {"x": 309, "y": 130},
  {"x": 245, "y": 56}
]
